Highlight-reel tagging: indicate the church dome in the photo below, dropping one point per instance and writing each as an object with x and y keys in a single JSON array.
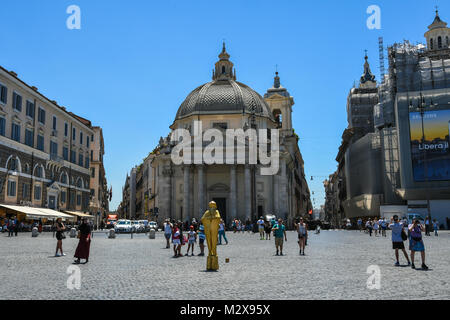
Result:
[{"x": 224, "y": 95}]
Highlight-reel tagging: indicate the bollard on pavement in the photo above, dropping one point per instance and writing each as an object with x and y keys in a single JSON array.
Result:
[
  {"x": 73, "y": 233},
  {"x": 152, "y": 234},
  {"x": 34, "y": 232},
  {"x": 112, "y": 234}
]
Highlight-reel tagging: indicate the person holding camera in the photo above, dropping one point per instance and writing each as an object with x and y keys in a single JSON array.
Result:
[
  {"x": 398, "y": 236},
  {"x": 279, "y": 230},
  {"x": 416, "y": 242},
  {"x": 60, "y": 228}
]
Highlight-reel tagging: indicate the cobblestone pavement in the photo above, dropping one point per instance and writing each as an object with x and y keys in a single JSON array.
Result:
[{"x": 334, "y": 267}]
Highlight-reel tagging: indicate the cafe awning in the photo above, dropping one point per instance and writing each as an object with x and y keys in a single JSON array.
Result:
[
  {"x": 37, "y": 213},
  {"x": 79, "y": 214}
]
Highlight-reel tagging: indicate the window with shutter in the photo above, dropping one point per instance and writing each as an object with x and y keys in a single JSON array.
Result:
[
  {"x": 2, "y": 126},
  {"x": 66, "y": 153},
  {"x": 17, "y": 102},
  {"x": 40, "y": 142},
  {"x": 30, "y": 109},
  {"x": 29, "y": 137},
  {"x": 11, "y": 188},
  {"x": 15, "y": 132},
  {"x": 3, "y": 94},
  {"x": 41, "y": 115}
]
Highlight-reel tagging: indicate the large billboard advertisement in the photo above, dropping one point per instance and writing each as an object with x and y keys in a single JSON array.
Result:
[{"x": 434, "y": 149}]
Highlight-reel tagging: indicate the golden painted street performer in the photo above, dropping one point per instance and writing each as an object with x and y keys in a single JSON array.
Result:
[{"x": 211, "y": 221}]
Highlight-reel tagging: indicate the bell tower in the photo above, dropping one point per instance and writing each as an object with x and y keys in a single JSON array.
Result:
[
  {"x": 438, "y": 35},
  {"x": 280, "y": 103}
]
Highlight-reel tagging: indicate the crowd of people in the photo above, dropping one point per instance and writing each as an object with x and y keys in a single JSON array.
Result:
[
  {"x": 402, "y": 230},
  {"x": 179, "y": 234},
  {"x": 375, "y": 225}
]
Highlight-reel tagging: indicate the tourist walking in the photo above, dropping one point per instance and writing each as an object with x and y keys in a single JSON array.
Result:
[
  {"x": 267, "y": 229},
  {"x": 201, "y": 239},
  {"x": 16, "y": 227},
  {"x": 398, "y": 236},
  {"x": 84, "y": 244},
  {"x": 167, "y": 232},
  {"x": 435, "y": 227},
  {"x": 376, "y": 226},
  {"x": 383, "y": 224},
  {"x": 192, "y": 239},
  {"x": 360, "y": 224},
  {"x": 416, "y": 243},
  {"x": 222, "y": 232},
  {"x": 302, "y": 231},
  {"x": 11, "y": 226},
  {"x": 427, "y": 226},
  {"x": 60, "y": 228},
  {"x": 260, "y": 224},
  {"x": 369, "y": 227},
  {"x": 279, "y": 230}
]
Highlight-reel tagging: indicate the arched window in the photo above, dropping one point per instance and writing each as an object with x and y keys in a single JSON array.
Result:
[
  {"x": 79, "y": 183},
  {"x": 38, "y": 172},
  {"x": 223, "y": 69},
  {"x": 64, "y": 178},
  {"x": 431, "y": 44},
  {"x": 13, "y": 164},
  {"x": 446, "y": 40},
  {"x": 439, "y": 42}
]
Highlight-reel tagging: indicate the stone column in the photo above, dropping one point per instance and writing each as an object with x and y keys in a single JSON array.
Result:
[
  {"x": 186, "y": 213},
  {"x": 233, "y": 190},
  {"x": 248, "y": 193},
  {"x": 283, "y": 197},
  {"x": 201, "y": 191},
  {"x": 276, "y": 192}
]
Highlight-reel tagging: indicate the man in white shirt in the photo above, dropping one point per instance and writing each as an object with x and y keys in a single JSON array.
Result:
[{"x": 167, "y": 232}]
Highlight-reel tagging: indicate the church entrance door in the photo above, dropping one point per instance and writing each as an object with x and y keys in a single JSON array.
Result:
[{"x": 222, "y": 207}]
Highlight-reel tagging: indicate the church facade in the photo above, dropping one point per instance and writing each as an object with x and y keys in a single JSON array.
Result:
[{"x": 182, "y": 192}]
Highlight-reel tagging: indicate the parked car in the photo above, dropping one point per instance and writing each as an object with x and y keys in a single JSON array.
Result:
[
  {"x": 153, "y": 225},
  {"x": 137, "y": 226},
  {"x": 123, "y": 226}
]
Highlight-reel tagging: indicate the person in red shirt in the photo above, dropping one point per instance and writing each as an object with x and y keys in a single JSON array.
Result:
[{"x": 177, "y": 239}]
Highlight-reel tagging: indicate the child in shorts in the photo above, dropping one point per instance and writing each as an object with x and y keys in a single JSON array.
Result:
[{"x": 192, "y": 239}]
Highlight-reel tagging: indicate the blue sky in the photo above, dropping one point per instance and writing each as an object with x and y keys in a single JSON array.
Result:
[{"x": 133, "y": 62}]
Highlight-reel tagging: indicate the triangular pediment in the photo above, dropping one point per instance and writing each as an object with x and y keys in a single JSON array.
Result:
[
  {"x": 219, "y": 187},
  {"x": 54, "y": 186},
  {"x": 275, "y": 96}
]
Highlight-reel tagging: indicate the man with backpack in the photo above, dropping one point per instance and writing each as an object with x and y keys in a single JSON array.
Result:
[{"x": 398, "y": 236}]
